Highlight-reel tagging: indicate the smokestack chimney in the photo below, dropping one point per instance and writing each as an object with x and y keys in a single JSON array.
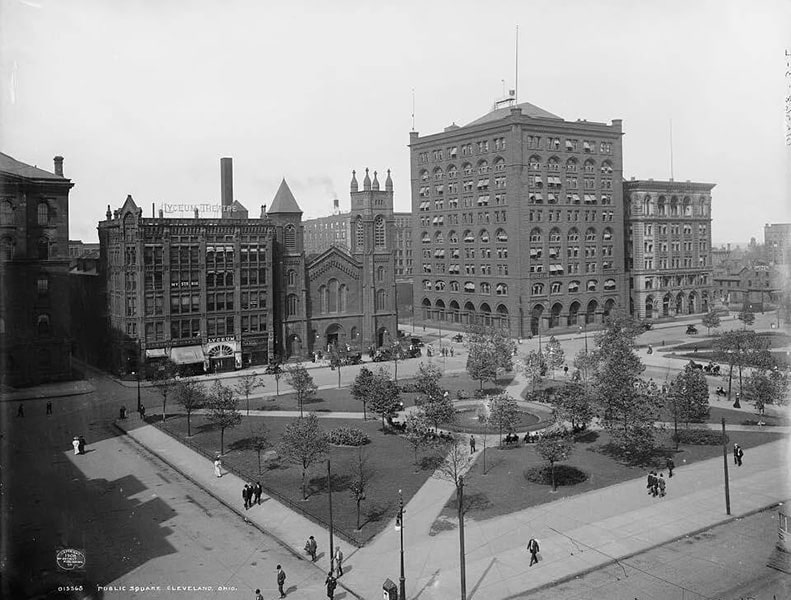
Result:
[
  {"x": 196, "y": 213},
  {"x": 58, "y": 166},
  {"x": 335, "y": 206},
  {"x": 226, "y": 185},
  {"x": 161, "y": 214},
  {"x": 153, "y": 211}
]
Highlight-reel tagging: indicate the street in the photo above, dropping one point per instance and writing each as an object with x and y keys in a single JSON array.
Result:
[{"x": 138, "y": 522}]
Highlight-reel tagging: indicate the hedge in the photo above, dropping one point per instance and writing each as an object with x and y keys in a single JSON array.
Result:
[
  {"x": 348, "y": 436},
  {"x": 700, "y": 437}
]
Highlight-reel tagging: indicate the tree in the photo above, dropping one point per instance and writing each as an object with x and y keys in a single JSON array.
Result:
[
  {"x": 191, "y": 395},
  {"x": 361, "y": 388},
  {"x": 746, "y": 316},
  {"x": 426, "y": 383},
  {"x": 223, "y": 410},
  {"x": 689, "y": 395},
  {"x": 246, "y": 385},
  {"x": 416, "y": 431},
  {"x": 554, "y": 450},
  {"x": 481, "y": 362},
  {"x": 259, "y": 441},
  {"x": 573, "y": 405},
  {"x": 456, "y": 461},
  {"x": 503, "y": 413},
  {"x": 628, "y": 405},
  {"x": 385, "y": 396},
  {"x": 554, "y": 355},
  {"x": 303, "y": 443},
  {"x": 534, "y": 367},
  {"x": 439, "y": 412},
  {"x": 585, "y": 363},
  {"x": 360, "y": 479},
  {"x": 711, "y": 320},
  {"x": 163, "y": 380},
  {"x": 301, "y": 381},
  {"x": 767, "y": 387},
  {"x": 740, "y": 348}
]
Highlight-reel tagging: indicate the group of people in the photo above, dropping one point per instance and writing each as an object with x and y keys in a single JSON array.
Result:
[
  {"x": 331, "y": 582},
  {"x": 251, "y": 494},
  {"x": 78, "y": 443},
  {"x": 656, "y": 484}
]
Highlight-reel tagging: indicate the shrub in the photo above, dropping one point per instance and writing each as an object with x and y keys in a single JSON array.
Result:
[
  {"x": 700, "y": 437},
  {"x": 348, "y": 436},
  {"x": 564, "y": 475}
]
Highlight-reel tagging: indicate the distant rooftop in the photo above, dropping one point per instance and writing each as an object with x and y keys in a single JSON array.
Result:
[
  {"x": 529, "y": 110},
  {"x": 14, "y": 167}
]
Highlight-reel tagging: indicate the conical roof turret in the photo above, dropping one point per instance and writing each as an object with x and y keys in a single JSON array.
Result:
[
  {"x": 284, "y": 202},
  {"x": 355, "y": 186},
  {"x": 375, "y": 183},
  {"x": 388, "y": 182},
  {"x": 366, "y": 181}
]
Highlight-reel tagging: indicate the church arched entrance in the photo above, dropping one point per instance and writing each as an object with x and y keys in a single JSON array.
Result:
[{"x": 333, "y": 336}]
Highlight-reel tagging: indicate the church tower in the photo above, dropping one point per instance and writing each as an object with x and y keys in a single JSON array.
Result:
[
  {"x": 372, "y": 244},
  {"x": 289, "y": 290}
]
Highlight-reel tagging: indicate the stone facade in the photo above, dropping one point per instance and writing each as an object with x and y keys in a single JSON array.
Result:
[{"x": 35, "y": 322}]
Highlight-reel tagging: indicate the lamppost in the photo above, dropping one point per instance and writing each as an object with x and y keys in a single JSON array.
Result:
[
  {"x": 329, "y": 489},
  {"x": 139, "y": 351},
  {"x": 584, "y": 331},
  {"x": 399, "y": 526}
]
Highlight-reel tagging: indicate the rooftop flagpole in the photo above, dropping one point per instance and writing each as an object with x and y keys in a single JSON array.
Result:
[{"x": 516, "y": 69}]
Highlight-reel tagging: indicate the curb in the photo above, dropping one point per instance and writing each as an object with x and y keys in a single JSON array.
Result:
[
  {"x": 5, "y": 398},
  {"x": 615, "y": 561},
  {"x": 284, "y": 545}
]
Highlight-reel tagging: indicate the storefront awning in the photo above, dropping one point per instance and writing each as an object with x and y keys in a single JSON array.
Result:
[
  {"x": 156, "y": 353},
  {"x": 187, "y": 355}
]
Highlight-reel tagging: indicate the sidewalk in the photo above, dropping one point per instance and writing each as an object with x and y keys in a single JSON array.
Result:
[{"x": 48, "y": 390}]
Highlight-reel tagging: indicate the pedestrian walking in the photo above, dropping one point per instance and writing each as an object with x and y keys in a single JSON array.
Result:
[
  {"x": 339, "y": 560},
  {"x": 258, "y": 595},
  {"x": 258, "y": 491},
  {"x": 451, "y": 350},
  {"x": 739, "y": 456},
  {"x": 82, "y": 445},
  {"x": 281, "y": 581},
  {"x": 566, "y": 371},
  {"x": 670, "y": 466},
  {"x": 662, "y": 484},
  {"x": 472, "y": 444},
  {"x": 736, "y": 454},
  {"x": 533, "y": 549},
  {"x": 246, "y": 496},
  {"x": 310, "y": 548},
  {"x": 650, "y": 485},
  {"x": 20, "y": 412},
  {"x": 331, "y": 584},
  {"x": 49, "y": 407},
  {"x": 217, "y": 467},
  {"x": 142, "y": 412},
  {"x": 75, "y": 443}
]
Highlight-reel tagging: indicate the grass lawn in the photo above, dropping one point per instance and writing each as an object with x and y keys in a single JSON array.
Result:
[
  {"x": 389, "y": 459},
  {"x": 504, "y": 489}
]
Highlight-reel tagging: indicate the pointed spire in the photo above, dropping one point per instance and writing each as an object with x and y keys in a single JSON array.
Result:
[
  {"x": 355, "y": 185},
  {"x": 284, "y": 202},
  {"x": 108, "y": 214},
  {"x": 367, "y": 180},
  {"x": 376, "y": 183},
  {"x": 388, "y": 182}
]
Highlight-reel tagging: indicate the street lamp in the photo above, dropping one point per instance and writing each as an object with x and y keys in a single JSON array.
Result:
[
  {"x": 584, "y": 331},
  {"x": 399, "y": 526},
  {"x": 139, "y": 351}
]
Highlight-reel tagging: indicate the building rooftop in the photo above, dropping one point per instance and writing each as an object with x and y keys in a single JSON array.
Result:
[
  {"x": 284, "y": 201},
  {"x": 12, "y": 166},
  {"x": 529, "y": 110}
]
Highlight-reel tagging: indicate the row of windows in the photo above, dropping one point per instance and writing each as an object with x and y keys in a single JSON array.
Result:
[
  {"x": 570, "y": 144},
  {"x": 468, "y": 236},
  {"x": 674, "y": 207},
  {"x": 500, "y": 235},
  {"x": 676, "y": 280},
  {"x": 500, "y": 216},
  {"x": 452, "y": 152},
  {"x": 481, "y": 168},
  {"x": 553, "y": 164},
  {"x": 467, "y": 202},
  {"x": 674, "y": 229},
  {"x": 501, "y": 289},
  {"x": 45, "y": 214},
  {"x": 380, "y": 240},
  {"x": 571, "y": 198},
  {"x": 674, "y": 263},
  {"x": 687, "y": 246}
]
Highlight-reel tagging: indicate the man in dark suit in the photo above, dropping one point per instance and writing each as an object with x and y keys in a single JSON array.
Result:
[{"x": 281, "y": 580}]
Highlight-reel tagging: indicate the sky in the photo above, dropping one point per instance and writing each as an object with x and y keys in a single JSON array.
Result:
[{"x": 144, "y": 97}]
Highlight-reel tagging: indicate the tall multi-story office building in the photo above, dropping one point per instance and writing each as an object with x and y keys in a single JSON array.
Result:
[
  {"x": 777, "y": 242},
  {"x": 219, "y": 294},
  {"x": 518, "y": 221},
  {"x": 35, "y": 321},
  {"x": 668, "y": 256}
]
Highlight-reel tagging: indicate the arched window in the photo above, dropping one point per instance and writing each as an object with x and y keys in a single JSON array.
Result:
[
  {"x": 292, "y": 277},
  {"x": 500, "y": 235},
  {"x": 591, "y": 285},
  {"x": 129, "y": 227},
  {"x": 439, "y": 238},
  {"x": 534, "y": 163},
  {"x": 609, "y": 284},
  {"x": 379, "y": 232},
  {"x": 424, "y": 175},
  {"x": 553, "y": 164},
  {"x": 660, "y": 206},
  {"x": 483, "y": 167},
  {"x": 486, "y": 288},
  {"x": 467, "y": 168},
  {"x": 6, "y": 248},
  {"x": 6, "y": 213},
  {"x": 571, "y": 165},
  {"x": 555, "y": 287},
  {"x": 554, "y": 235},
  {"x": 380, "y": 300},
  {"x": 291, "y": 237},
  {"x": 43, "y": 213},
  {"x": 501, "y": 289},
  {"x": 359, "y": 233},
  {"x": 687, "y": 206},
  {"x": 606, "y": 167},
  {"x": 499, "y": 164},
  {"x": 484, "y": 236},
  {"x": 647, "y": 205},
  {"x": 42, "y": 324},
  {"x": 590, "y": 166},
  {"x": 454, "y": 286},
  {"x": 674, "y": 207},
  {"x": 323, "y": 298},
  {"x": 427, "y": 284},
  {"x": 342, "y": 298},
  {"x": 425, "y": 238},
  {"x": 535, "y": 235},
  {"x": 574, "y": 286},
  {"x": 291, "y": 305},
  {"x": 380, "y": 273},
  {"x": 438, "y": 174},
  {"x": 469, "y": 238},
  {"x": 439, "y": 285},
  {"x": 574, "y": 235},
  {"x": 452, "y": 172},
  {"x": 453, "y": 237},
  {"x": 607, "y": 234},
  {"x": 332, "y": 286},
  {"x": 43, "y": 249},
  {"x": 590, "y": 234},
  {"x": 469, "y": 287},
  {"x": 537, "y": 289}
]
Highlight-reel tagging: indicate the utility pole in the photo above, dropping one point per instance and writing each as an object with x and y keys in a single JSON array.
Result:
[
  {"x": 400, "y": 525},
  {"x": 460, "y": 496},
  {"x": 725, "y": 466},
  {"x": 329, "y": 489}
]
